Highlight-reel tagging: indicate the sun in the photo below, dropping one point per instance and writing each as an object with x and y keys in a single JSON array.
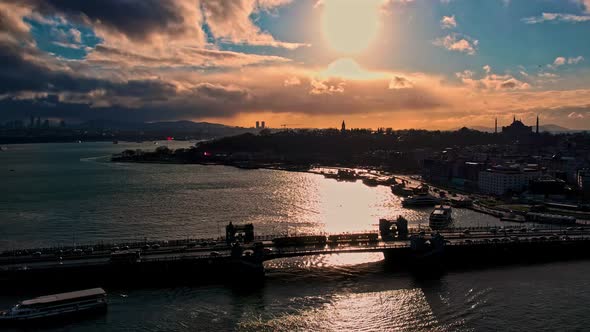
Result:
[{"x": 349, "y": 26}]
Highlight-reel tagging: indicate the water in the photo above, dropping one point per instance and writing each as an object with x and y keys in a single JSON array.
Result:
[{"x": 70, "y": 193}]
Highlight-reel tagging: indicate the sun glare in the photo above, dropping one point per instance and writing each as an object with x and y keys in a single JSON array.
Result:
[
  {"x": 349, "y": 69},
  {"x": 349, "y": 26}
]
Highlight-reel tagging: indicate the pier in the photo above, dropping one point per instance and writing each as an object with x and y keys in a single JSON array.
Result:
[{"x": 189, "y": 260}]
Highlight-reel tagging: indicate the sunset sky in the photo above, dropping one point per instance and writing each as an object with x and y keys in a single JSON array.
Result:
[{"x": 434, "y": 64}]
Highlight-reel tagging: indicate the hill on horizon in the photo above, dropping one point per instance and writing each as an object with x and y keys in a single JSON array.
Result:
[
  {"x": 181, "y": 125},
  {"x": 551, "y": 128}
]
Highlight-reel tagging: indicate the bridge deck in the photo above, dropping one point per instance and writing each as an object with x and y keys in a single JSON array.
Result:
[{"x": 175, "y": 253}]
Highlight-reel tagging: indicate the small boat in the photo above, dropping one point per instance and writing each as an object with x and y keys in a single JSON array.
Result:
[
  {"x": 420, "y": 200},
  {"x": 371, "y": 181},
  {"x": 461, "y": 202},
  {"x": 441, "y": 217},
  {"x": 56, "y": 305},
  {"x": 401, "y": 190},
  {"x": 115, "y": 142},
  {"x": 347, "y": 175},
  {"x": 512, "y": 217}
]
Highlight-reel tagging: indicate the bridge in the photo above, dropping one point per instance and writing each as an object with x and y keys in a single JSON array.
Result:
[{"x": 187, "y": 258}]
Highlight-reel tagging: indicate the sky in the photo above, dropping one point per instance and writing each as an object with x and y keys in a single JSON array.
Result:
[{"x": 432, "y": 64}]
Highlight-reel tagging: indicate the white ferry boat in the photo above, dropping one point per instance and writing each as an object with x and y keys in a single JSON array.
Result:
[
  {"x": 420, "y": 200},
  {"x": 49, "y": 306},
  {"x": 441, "y": 217}
]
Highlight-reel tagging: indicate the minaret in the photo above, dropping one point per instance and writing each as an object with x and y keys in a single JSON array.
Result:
[
  {"x": 514, "y": 119},
  {"x": 537, "y": 124},
  {"x": 496, "y": 127},
  {"x": 343, "y": 126}
]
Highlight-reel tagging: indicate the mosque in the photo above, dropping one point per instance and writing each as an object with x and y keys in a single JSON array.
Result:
[{"x": 517, "y": 129}]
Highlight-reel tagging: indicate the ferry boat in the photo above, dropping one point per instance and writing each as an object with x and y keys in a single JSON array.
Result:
[
  {"x": 441, "y": 217},
  {"x": 49, "y": 306},
  {"x": 420, "y": 200}
]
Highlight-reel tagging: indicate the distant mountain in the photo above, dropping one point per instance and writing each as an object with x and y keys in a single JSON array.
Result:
[
  {"x": 173, "y": 126},
  {"x": 183, "y": 125},
  {"x": 482, "y": 129},
  {"x": 552, "y": 128}
]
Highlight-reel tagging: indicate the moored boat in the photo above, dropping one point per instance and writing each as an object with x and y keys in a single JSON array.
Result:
[
  {"x": 347, "y": 175},
  {"x": 420, "y": 200},
  {"x": 441, "y": 217}
]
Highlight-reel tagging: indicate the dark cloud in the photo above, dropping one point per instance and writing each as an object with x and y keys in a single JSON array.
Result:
[
  {"x": 136, "y": 19},
  {"x": 511, "y": 84},
  {"x": 398, "y": 82},
  {"x": 19, "y": 73},
  {"x": 221, "y": 93}
]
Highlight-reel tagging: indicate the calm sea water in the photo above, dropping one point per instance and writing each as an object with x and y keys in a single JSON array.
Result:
[{"x": 54, "y": 194}]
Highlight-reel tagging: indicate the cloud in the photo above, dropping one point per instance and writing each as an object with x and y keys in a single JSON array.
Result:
[
  {"x": 548, "y": 75},
  {"x": 576, "y": 60},
  {"x": 559, "y": 61},
  {"x": 575, "y": 115},
  {"x": 398, "y": 82},
  {"x": 230, "y": 21},
  {"x": 458, "y": 43},
  {"x": 148, "y": 25},
  {"x": 12, "y": 28},
  {"x": 491, "y": 81},
  {"x": 292, "y": 81},
  {"x": 319, "y": 87},
  {"x": 151, "y": 20},
  {"x": 556, "y": 17},
  {"x": 76, "y": 35},
  {"x": 178, "y": 57},
  {"x": 448, "y": 22}
]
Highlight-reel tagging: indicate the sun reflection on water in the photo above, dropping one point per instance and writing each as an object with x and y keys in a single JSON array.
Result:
[
  {"x": 311, "y": 204},
  {"x": 404, "y": 309}
]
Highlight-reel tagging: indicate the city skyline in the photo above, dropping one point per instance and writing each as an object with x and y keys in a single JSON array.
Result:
[{"x": 401, "y": 64}]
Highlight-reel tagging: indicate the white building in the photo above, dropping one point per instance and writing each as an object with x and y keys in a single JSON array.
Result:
[{"x": 499, "y": 180}]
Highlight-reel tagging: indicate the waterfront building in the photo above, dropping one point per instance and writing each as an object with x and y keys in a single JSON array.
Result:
[
  {"x": 499, "y": 180},
  {"x": 257, "y": 125},
  {"x": 262, "y": 124}
]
